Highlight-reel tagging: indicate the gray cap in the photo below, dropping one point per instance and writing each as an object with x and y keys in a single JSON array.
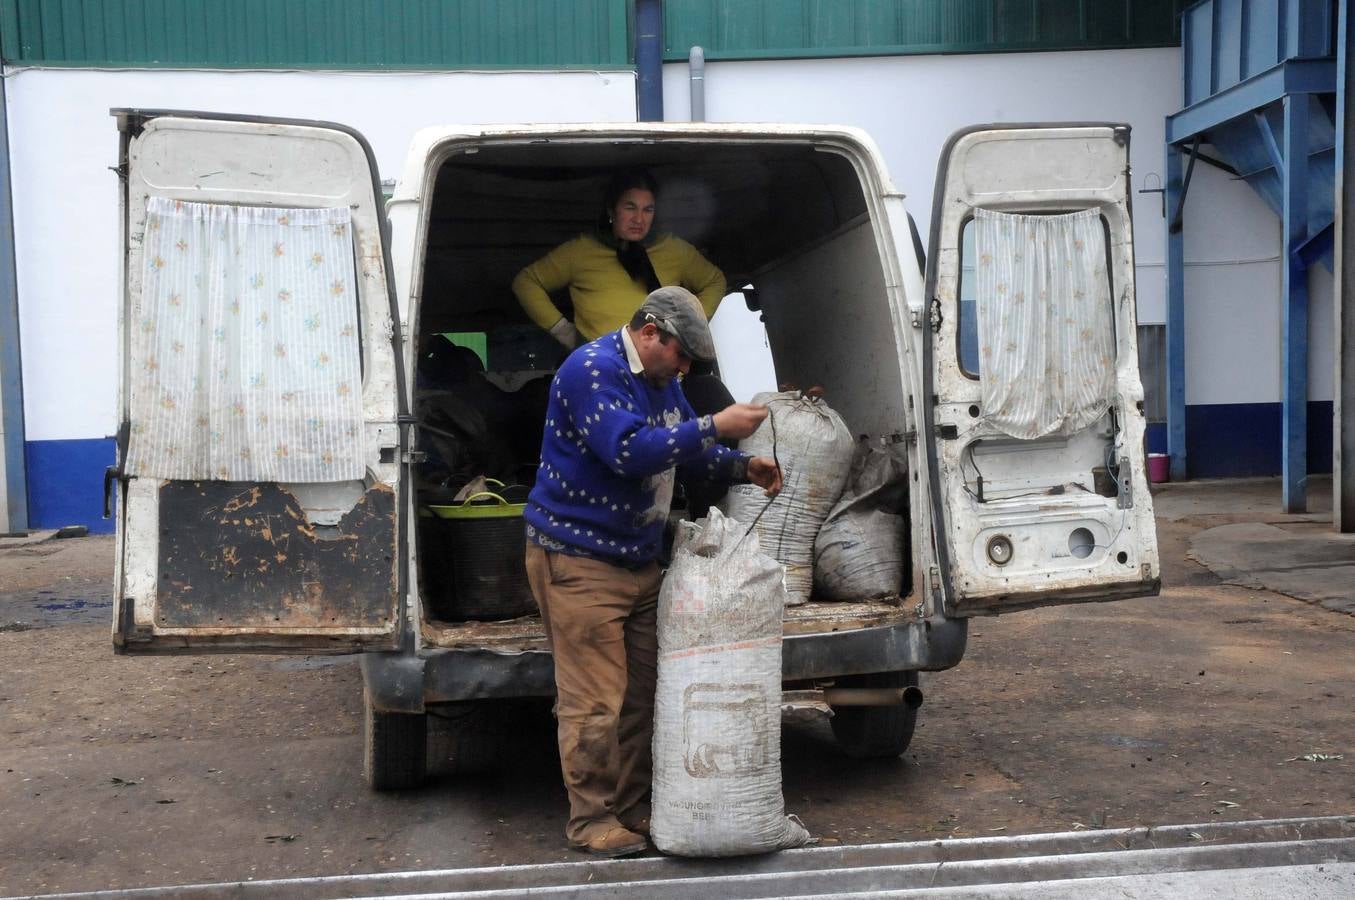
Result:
[{"x": 676, "y": 310}]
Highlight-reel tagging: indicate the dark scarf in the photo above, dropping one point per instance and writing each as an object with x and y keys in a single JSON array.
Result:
[{"x": 633, "y": 256}]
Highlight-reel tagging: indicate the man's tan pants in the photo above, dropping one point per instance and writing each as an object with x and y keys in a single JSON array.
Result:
[{"x": 600, "y": 622}]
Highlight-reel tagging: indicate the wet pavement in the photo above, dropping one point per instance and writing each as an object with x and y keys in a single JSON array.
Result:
[
  {"x": 39, "y": 589},
  {"x": 1257, "y": 546},
  {"x": 87, "y": 603}
]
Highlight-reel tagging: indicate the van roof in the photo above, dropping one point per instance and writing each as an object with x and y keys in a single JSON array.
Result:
[{"x": 433, "y": 140}]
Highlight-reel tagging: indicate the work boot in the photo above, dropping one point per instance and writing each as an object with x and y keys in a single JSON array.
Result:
[
  {"x": 615, "y": 841},
  {"x": 638, "y": 825},
  {"x": 637, "y": 818}
]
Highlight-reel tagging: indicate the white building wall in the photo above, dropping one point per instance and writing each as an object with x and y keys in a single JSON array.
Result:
[
  {"x": 912, "y": 104},
  {"x": 63, "y": 143}
]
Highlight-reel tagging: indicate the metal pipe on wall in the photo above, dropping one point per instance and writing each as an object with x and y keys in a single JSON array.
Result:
[
  {"x": 696, "y": 75},
  {"x": 649, "y": 60},
  {"x": 13, "y": 477}
]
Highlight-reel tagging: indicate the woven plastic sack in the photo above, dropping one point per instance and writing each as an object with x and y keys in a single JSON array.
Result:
[
  {"x": 860, "y": 551},
  {"x": 814, "y": 447},
  {"x": 717, "y": 708}
]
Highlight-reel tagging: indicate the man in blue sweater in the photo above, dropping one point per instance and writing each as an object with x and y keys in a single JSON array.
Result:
[{"x": 617, "y": 429}]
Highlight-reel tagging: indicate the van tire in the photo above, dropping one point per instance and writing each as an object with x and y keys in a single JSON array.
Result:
[
  {"x": 875, "y": 732},
  {"x": 395, "y": 748}
]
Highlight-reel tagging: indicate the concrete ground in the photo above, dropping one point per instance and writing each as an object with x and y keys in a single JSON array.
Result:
[
  {"x": 1226, "y": 698},
  {"x": 1253, "y": 546}
]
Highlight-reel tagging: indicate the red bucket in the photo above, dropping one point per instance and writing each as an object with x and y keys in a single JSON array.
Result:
[{"x": 1159, "y": 467}]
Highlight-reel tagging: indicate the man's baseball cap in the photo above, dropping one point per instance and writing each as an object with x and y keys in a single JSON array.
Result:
[{"x": 676, "y": 310}]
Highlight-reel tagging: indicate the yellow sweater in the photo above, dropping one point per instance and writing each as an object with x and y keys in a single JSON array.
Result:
[{"x": 604, "y": 296}]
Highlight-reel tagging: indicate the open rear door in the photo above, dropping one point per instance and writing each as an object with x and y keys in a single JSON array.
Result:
[
  {"x": 260, "y": 452},
  {"x": 1036, "y": 414}
]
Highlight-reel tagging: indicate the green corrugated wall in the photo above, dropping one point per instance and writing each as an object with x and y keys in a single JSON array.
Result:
[
  {"x": 761, "y": 29},
  {"x": 344, "y": 34},
  {"x": 458, "y": 34}
]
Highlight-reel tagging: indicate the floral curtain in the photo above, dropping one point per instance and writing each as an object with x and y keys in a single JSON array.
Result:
[
  {"x": 245, "y": 358},
  {"x": 1045, "y": 322}
]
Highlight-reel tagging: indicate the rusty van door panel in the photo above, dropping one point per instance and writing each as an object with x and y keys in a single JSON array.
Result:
[
  {"x": 230, "y": 564},
  {"x": 1042, "y": 499},
  {"x": 252, "y": 547}
]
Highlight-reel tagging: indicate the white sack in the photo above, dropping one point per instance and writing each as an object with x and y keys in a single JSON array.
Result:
[
  {"x": 859, "y": 553},
  {"x": 717, "y": 708},
  {"x": 814, "y": 447}
]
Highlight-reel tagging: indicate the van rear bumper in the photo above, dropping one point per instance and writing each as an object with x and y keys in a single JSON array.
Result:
[
  {"x": 406, "y": 682},
  {"x": 927, "y": 645}
]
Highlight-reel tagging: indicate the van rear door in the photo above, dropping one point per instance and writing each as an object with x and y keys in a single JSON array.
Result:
[
  {"x": 260, "y": 453},
  {"x": 1036, "y": 421}
]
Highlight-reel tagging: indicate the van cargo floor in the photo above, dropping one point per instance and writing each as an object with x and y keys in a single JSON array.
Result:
[{"x": 524, "y": 633}]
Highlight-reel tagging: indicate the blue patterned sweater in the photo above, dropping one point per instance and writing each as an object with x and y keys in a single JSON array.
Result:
[{"x": 608, "y": 457}]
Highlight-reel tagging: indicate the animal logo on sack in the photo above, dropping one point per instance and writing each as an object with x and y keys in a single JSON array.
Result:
[
  {"x": 687, "y": 601},
  {"x": 714, "y": 719}
]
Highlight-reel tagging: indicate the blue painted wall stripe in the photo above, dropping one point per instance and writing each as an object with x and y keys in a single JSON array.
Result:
[
  {"x": 65, "y": 483},
  {"x": 1156, "y": 437},
  {"x": 1233, "y": 440},
  {"x": 1227, "y": 440}
]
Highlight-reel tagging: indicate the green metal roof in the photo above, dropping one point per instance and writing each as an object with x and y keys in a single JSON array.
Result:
[
  {"x": 341, "y": 34},
  {"x": 554, "y": 34},
  {"x": 763, "y": 29}
]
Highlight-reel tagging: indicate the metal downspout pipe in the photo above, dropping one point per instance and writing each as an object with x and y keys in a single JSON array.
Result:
[
  {"x": 696, "y": 68},
  {"x": 648, "y": 60},
  {"x": 13, "y": 480}
]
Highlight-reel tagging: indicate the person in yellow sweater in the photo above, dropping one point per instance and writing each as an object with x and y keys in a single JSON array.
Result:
[{"x": 609, "y": 273}]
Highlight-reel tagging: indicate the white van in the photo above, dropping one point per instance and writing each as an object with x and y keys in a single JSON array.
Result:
[{"x": 806, "y": 215}]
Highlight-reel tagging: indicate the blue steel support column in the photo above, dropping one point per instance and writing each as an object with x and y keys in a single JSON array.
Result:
[
  {"x": 1176, "y": 322},
  {"x": 1294, "y": 431},
  {"x": 14, "y": 517},
  {"x": 1343, "y": 428},
  {"x": 649, "y": 60}
]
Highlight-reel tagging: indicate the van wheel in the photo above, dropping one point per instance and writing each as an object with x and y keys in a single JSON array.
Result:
[
  {"x": 395, "y": 748},
  {"x": 875, "y": 732}
]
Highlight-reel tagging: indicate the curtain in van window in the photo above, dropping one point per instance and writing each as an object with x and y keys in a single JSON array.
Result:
[
  {"x": 245, "y": 362},
  {"x": 1045, "y": 326}
]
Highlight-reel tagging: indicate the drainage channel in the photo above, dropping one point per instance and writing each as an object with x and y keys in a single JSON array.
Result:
[{"x": 1293, "y": 858}]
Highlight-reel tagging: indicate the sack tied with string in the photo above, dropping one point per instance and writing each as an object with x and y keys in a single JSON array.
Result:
[
  {"x": 717, "y": 707},
  {"x": 814, "y": 447},
  {"x": 861, "y": 549}
]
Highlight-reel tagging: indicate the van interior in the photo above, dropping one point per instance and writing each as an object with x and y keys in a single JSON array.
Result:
[{"x": 786, "y": 222}]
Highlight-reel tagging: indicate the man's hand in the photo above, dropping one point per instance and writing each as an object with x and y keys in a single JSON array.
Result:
[
  {"x": 739, "y": 420},
  {"x": 565, "y": 332},
  {"x": 766, "y": 474}
]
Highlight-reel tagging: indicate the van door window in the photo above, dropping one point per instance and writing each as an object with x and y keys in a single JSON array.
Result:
[
  {"x": 1046, "y": 339},
  {"x": 1056, "y": 251},
  {"x": 246, "y": 363}
]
